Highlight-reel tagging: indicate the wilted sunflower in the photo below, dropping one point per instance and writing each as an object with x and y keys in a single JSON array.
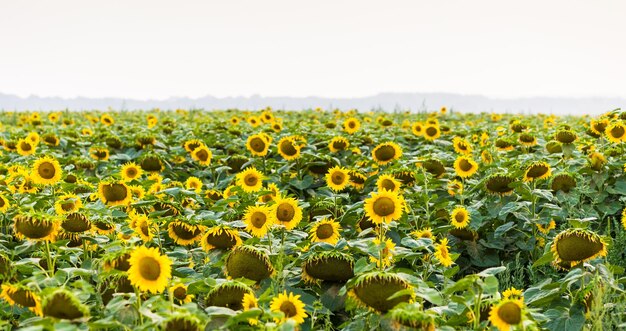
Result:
[
  {"x": 389, "y": 183},
  {"x": 462, "y": 146},
  {"x": 130, "y": 171},
  {"x": 286, "y": 212},
  {"x": 149, "y": 270},
  {"x": 499, "y": 184},
  {"x": 63, "y": 304},
  {"x": 329, "y": 266},
  {"x": 351, "y": 125},
  {"x": 574, "y": 246},
  {"x": 507, "y": 313},
  {"x": 338, "y": 144},
  {"x": 374, "y": 289},
  {"x": 337, "y": 178},
  {"x": 290, "y": 305},
  {"x": 460, "y": 217},
  {"x": 565, "y": 136},
  {"x": 434, "y": 167},
  {"x": 615, "y": 132},
  {"x": 50, "y": 139},
  {"x": 554, "y": 147},
  {"x": 386, "y": 152},
  {"x": 249, "y": 262},
  {"x": 442, "y": 253},
  {"x": 432, "y": 132},
  {"x": 537, "y": 170},
  {"x": 257, "y": 144},
  {"x": 67, "y": 203},
  {"x": 504, "y": 145},
  {"x": 250, "y": 180},
  {"x": 288, "y": 148},
  {"x": 38, "y": 227},
  {"x": 258, "y": 220},
  {"x": 465, "y": 166},
  {"x": 179, "y": 293},
  {"x": 25, "y": 147},
  {"x": 46, "y": 171},
  {"x": 383, "y": 206},
  {"x": 21, "y": 296},
  {"x": 202, "y": 154},
  {"x": 228, "y": 294},
  {"x": 325, "y": 230},
  {"x": 220, "y": 237},
  {"x": 114, "y": 193}
]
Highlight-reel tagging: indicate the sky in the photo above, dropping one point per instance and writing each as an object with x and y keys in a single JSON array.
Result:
[{"x": 342, "y": 48}]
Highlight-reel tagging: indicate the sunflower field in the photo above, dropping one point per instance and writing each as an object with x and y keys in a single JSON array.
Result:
[{"x": 311, "y": 220}]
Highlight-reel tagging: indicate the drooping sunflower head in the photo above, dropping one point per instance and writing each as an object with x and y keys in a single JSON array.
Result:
[
  {"x": 183, "y": 233},
  {"x": 328, "y": 266},
  {"x": 228, "y": 294},
  {"x": 506, "y": 313},
  {"x": 575, "y": 246},
  {"x": 385, "y": 250},
  {"x": 338, "y": 144},
  {"x": 76, "y": 223},
  {"x": 182, "y": 322},
  {"x": 499, "y": 184},
  {"x": 257, "y": 144},
  {"x": 67, "y": 203},
  {"x": 220, "y": 237},
  {"x": 465, "y": 166},
  {"x": 554, "y": 147},
  {"x": 46, "y": 171},
  {"x": 527, "y": 139},
  {"x": 434, "y": 167},
  {"x": 21, "y": 296},
  {"x": 287, "y": 212},
  {"x": 50, "y": 139},
  {"x": 191, "y": 144},
  {"x": 36, "y": 226},
  {"x": 114, "y": 193},
  {"x": 503, "y": 144},
  {"x": 291, "y": 307},
  {"x": 130, "y": 171},
  {"x": 598, "y": 126},
  {"x": 149, "y": 269},
  {"x": 383, "y": 206},
  {"x": 564, "y": 182},
  {"x": 389, "y": 183},
  {"x": 460, "y": 217},
  {"x": 248, "y": 262},
  {"x": 325, "y": 230},
  {"x": 4, "y": 204},
  {"x": 597, "y": 161},
  {"x": 386, "y": 152},
  {"x": 288, "y": 148},
  {"x": 455, "y": 187},
  {"x": 372, "y": 290},
  {"x": 337, "y": 178},
  {"x": 250, "y": 180},
  {"x": 537, "y": 170},
  {"x": 151, "y": 163},
  {"x": 413, "y": 316},
  {"x": 565, "y": 136},
  {"x": 99, "y": 153}
]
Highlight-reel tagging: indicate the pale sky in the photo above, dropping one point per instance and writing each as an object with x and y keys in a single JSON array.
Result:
[{"x": 159, "y": 49}]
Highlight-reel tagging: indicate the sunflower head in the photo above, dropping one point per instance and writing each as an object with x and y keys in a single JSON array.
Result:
[
  {"x": 461, "y": 146},
  {"x": 527, "y": 139},
  {"x": 431, "y": 131},
  {"x": 384, "y": 206},
  {"x": 182, "y": 322},
  {"x": 554, "y": 147},
  {"x": 179, "y": 293},
  {"x": 465, "y": 166},
  {"x": 248, "y": 262},
  {"x": 575, "y": 246},
  {"x": 183, "y": 233},
  {"x": 597, "y": 161},
  {"x": 537, "y": 170},
  {"x": 506, "y": 313},
  {"x": 289, "y": 148},
  {"x": 386, "y": 152},
  {"x": 286, "y": 212},
  {"x": 220, "y": 237},
  {"x": 325, "y": 230},
  {"x": 250, "y": 180},
  {"x": 499, "y": 184},
  {"x": 62, "y": 304},
  {"x": 503, "y": 144},
  {"x": 36, "y": 226},
  {"x": 460, "y": 217},
  {"x": 257, "y": 144},
  {"x": 151, "y": 163},
  {"x": 236, "y": 163},
  {"x": 338, "y": 144},
  {"x": 372, "y": 290},
  {"x": 389, "y": 183},
  {"x": 290, "y": 305},
  {"x": 328, "y": 266},
  {"x": 149, "y": 270},
  {"x": 434, "y": 167},
  {"x": 130, "y": 171},
  {"x": 565, "y": 136},
  {"x": 351, "y": 125},
  {"x": 21, "y": 296},
  {"x": 564, "y": 182},
  {"x": 442, "y": 253},
  {"x": 413, "y": 316},
  {"x": 46, "y": 171},
  {"x": 228, "y": 294},
  {"x": 338, "y": 178},
  {"x": 202, "y": 155},
  {"x": 114, "y": 193},
  {"x": 616, "y": 132},
  {"x": 76, "y": 223}
]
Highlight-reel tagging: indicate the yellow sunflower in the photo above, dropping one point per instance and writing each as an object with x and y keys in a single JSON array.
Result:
[
  {"x": 179, "y": 293},
  {"x": 25, "y": 147},
  {"x": 383, "y": 206},
  {"x": 432, "y": 132},
  {"x": 460, "y": 217},
  {"x": 386, "y": 152},
  {"x": 615, "y": 132},
  {"x": 142, "y": 227},
  {"x": 258, "y": 220},
  {"x": 194, "y": 184},
  {"x": 455, "y": 187},
  {"x": 512, "y": 293},
  {"x": 192, "y": 144},
  {"x": 67, "y": 203},
  {"x": 250, "y": 302},
  {"x": 21, "y": 296},
  {"x": 386, "y": 253},
  {"x": 442, "y": 253},
  {"x": 33, "y": 137},
  {"x": 258, "y": 144},
  {"x": 351, "y": 125},
  {"x": 326, "y": 230},
  {"x": 462, "y": 146},
  {"x": 465, "y": 166},
  {"x": 274, "y": 192},
  {"x": 417, "y": 129},
  {"x": 423, "y": 233},
  {"x": 98, "y": 153},
  {"x": 130, "y": 171},
  {"x": 507, "y": 313},
  {"x": 290, "y": 305},
  {"x": 286, "y": 212},
  {"x": 106, "y": 119},
  {"x": 202, "y": 154},
  {"x": 220, "y": 237},
  {"x": 114, "y": 193},
  {"x": 149, "y": 270},
  {"x": 574, "y": 246},
  {"x": 537, "y": 170},
  {"x": 389, "y": 183},
  {"x": 4, "y": 204},
  {"x": 46, "y": 171},
  {"x": 184, "y": 234},
  {"x": 338, "y": 144},
  {"x": 337, "y": 178},
  {"x": 288, "y": 148},
  {"x": 250, "y": 180}
]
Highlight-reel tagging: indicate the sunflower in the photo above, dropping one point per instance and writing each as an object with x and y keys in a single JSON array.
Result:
[
  {"x": 234, "y": 120},
  {"x": 357, "y": 179},
  {"x": 194, "y": 184},
  {"x": 106, "y": 119},
  {"x": 46, "y": 171},
  {"x": 624, "y": 218},
  {"x": 504, "y": 145},
  {"x": 460, "y": 217},
  {"x": 537, "y": 170},
  {"x": 389, "y": 183},
  {"x": 597, "y": 161},
  {"x": 383, "y": 206},
  {"x": 149, "y": 270},
  {"x": 574, "y": 246},
  {"x": 203, "y": 155},
  {"x": 499, "y": 184},
  {"x": 546, "y": 229},
  {"x": 455, "y": 187},
  {"x": 114, "y": 193},
  {"x": 465, "y": 166},
  {"x": 142, "y": 226},
  {"x": 250, "y": 180},
  {"x": 432, "y": 132},
  {"x": 258, "y": 144},
  {"x": 67, "y": 203},
  {"x": 374, "y": 289},
  {"x": 615, "y": 132},
  {"x": 179, "y": 293},
  {"x": 338, "y": 144},
  {"x": 423, "y": 233},
  {"x": 50, "y": 139},
  {"x": 351, "y": 125},
  {"x": 385, "y": 257},
  {"x": 25, "y": 147},
  {"x": 192, "y": 144},
  {"x": 248, "y": 262},
  {"x": 286, "y": 212},
  {"x": 274, "y": 192},
  {"x": 98, "y": 153},
  {"x": 4, "y": 204},
  {"x": 434, "y": 167},
  {"x": 288, "y": 148},
  {"x": 325, "y": 230},
  {"x": 130, "y": 171},
  {"x": 565, "y": 136},
  {"x": 220, "y": 237},
  {"x": 386, "y": 152},
  {"x": 38, "y": 227},
  {"x": 21, "y": 296},
  {"x": 258, "y": 220},
  {"x": 442, "y": 253},
  {"x": 184, "y": 234},
  {"x": 337, "y": 178},
  {"x": 507, "y": 313},
  {"x": 512, "y": 293},
  {"x": 461, "y": 146},
  {"x": 527, "y": 139},
  {"x": 417, "y": 129},
  {"x": 214, "y": 195},
  {"x": 291, "y": 307},
  {"x": 86, "y": 132}
]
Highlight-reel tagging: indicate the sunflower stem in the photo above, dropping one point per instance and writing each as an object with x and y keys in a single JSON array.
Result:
[
  {"x": 49, "y": 260},
  {"x": 138, "y": 295}
]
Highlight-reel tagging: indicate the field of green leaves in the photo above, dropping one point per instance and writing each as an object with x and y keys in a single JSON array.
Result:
[{"x": 311, "y": 220}]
